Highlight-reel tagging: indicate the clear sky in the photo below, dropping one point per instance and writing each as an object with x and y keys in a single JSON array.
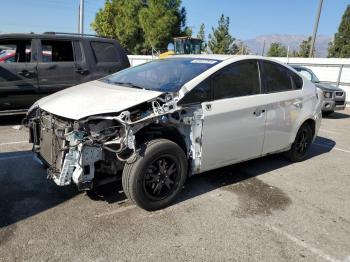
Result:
[{"x": 249, "y": 18}]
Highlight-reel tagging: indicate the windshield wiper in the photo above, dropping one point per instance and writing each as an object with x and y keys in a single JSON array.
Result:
[{"x": 128, "y": 84}]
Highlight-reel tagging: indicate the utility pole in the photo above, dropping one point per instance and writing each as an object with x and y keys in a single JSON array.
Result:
[
  {"x": 81, "y": 17},
  {"x": 311, "y": 54},
  {"x": 263, "y": 49}
]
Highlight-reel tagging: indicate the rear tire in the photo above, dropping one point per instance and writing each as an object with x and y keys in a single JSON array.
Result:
[
  {"x": 300, "y": 148},
  {"x": 155, "y": 175}
]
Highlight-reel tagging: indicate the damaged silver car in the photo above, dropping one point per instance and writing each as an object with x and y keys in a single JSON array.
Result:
[{"x": 155, "y": 124}]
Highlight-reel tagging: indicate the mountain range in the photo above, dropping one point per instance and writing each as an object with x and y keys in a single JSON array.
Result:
[{"x": 256, "y": 44}]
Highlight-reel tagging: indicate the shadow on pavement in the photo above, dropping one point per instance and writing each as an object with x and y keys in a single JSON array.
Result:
[
  {"x": 24, "y": 189},
  {"x": 337, "y": 115},
  {"x": 11, "y": 120},
  {"x": 208, "y": 181}
]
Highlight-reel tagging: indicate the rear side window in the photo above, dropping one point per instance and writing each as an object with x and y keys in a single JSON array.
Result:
[
  {"x": 104, "y": 52},
  {"x": 240, "y": 79},
  {"x": 297, "y": 81},
  {"x": 279, "y": 78},
  {"x": 57, "y": 51}
]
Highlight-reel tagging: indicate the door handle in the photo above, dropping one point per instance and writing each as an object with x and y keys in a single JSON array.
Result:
[
  {"x": 81, "y": 71},
  {"x": 298, "y": 104},
  {"x": 208, "y": 107},
  {"x": 26, "y": 73},
  {"x": 259, "y": 112}
]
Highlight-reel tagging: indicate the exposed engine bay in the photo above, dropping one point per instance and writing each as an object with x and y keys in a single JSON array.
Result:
[{"x": 95, "y": 148}]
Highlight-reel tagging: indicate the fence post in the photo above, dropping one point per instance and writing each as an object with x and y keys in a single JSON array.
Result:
[{"x": 339, "y": 74}]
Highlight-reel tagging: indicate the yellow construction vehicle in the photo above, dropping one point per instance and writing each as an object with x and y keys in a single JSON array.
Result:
[{"x": 184, "y": 45}]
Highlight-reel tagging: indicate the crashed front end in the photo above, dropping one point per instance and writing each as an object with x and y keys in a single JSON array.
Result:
[
  {"x": 81, "y": 150},
  {"x": 76, "y": 150}
]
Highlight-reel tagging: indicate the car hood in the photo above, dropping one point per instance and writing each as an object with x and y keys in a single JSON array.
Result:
[
  {"x": 93, "y": 98},
  {"x": 327, "y": 87}
]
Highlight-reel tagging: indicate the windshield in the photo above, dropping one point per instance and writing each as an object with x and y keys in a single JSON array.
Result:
[
  {"x": 308, "y": 74},
  {"x": 164, "y": 75}
]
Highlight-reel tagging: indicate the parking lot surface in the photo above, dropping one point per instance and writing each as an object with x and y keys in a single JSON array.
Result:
[{"x": 263, "y": 210}]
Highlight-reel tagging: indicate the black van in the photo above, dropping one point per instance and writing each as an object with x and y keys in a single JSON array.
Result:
[{"x": 35, "y": 65}]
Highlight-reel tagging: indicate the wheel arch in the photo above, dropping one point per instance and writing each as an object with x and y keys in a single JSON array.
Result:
[
  {"x": 155, "y": 131},
  {"x": 309, "y": 120}
]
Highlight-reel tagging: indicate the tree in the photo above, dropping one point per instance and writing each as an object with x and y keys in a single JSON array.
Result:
[
  {"x": 277, "y": 50},
  {"x": 187, "y": 31},
  {"x": 141, "y": 24},
  {"x": 201, "y": 32},
  {"x": 242, "y": 49},
  {"x": 340, "y": 47},
  {"x": 201, "y": 35},
  {"x": 304, "y": 48},
  {"x": 161, "y": 20},
  {"x": 117, "y": 19},
  {"x": 220, "y": 41}
]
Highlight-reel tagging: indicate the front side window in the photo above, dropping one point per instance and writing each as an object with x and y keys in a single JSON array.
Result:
[
  {"x": 16, "y": 51},
  {"x": 239, "y": 79},
  {"x": 164, "y": 75},
  {"x": 105, "y": 52},
  {"x": 57, "y": 51},
  {"x": 201, "y": 93}
]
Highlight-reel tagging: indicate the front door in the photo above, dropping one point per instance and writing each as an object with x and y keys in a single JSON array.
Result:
[
  {"x": 18, "y": 75},
  {"x": 234, "y": 122}
]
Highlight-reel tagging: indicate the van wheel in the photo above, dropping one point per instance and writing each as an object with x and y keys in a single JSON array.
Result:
[
  {"x": 301, "y": 145},
  {"x": 155, "y": 175}
]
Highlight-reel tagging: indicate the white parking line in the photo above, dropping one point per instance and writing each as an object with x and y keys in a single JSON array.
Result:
[
  {"x": 335, "y": 148},
  {"x": 303, "y": 244},
  {"x": 13, "y": 143}
]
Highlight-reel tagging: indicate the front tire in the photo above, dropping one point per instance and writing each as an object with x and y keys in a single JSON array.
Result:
[
  {"x": 155, "y": 175},
  {"x": 301, "y": 145}
]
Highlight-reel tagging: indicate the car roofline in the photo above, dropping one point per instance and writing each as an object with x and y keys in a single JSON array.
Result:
[{"x": 52, "y": 36}]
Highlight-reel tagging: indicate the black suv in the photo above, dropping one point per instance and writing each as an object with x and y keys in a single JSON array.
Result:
[{"x": 35, "y": 65}]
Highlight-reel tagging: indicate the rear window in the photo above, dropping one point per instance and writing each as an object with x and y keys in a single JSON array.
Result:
[{"x": 105, "y": 52}]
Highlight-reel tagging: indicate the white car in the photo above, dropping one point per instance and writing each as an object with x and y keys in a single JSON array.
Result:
[{"x": 155, "y": 124}]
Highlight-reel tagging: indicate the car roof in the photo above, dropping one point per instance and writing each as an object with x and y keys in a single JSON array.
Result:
[
  {"x": 52, "y": 35},
  {"x": 227, "y": 57}
]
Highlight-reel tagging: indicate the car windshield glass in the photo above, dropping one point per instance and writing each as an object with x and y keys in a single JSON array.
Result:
[
  {"x": 314, "y": 78},
  {"x": 164, "y": 75},
  {"x": 308, "y": 74}
]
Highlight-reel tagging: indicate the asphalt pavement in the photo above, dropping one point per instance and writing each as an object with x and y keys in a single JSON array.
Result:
[{"x": 266, "y": 209}]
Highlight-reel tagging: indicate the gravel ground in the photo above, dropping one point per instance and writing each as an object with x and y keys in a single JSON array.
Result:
[{"x": 262, "y": 210}]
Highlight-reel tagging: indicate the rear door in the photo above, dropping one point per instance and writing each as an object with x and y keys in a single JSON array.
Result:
[
  {"x": 234, "y": 122},
  {"x": 18, "y": 74},
  {"x": 57, "y": 66},
  {"x": 284, "y": 104}
]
